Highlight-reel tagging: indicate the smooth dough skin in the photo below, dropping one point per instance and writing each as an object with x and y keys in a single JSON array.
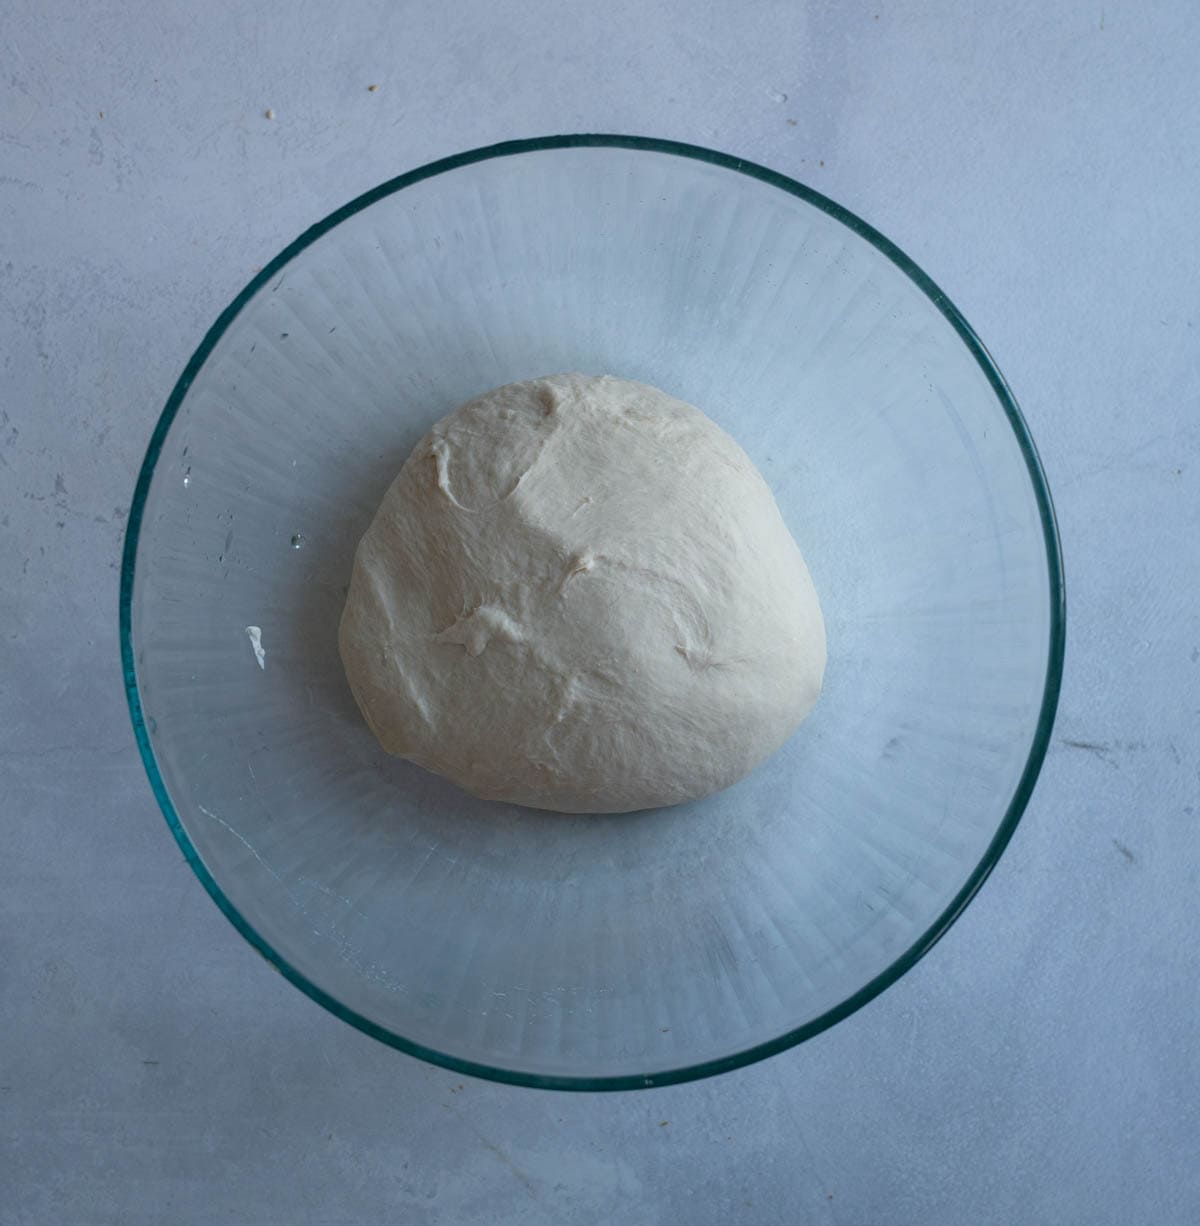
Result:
[{"x": 578, "y": 594}]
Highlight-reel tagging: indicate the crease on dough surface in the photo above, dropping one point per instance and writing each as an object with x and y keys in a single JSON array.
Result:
[
  {"x": 441, "y": 452},
  {"x": 476, "y": 629}
]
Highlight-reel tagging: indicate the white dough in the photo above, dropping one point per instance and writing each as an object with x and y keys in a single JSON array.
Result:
[
  {"x": 578, "y": 594},
  {"x": 254, "y": 633}
]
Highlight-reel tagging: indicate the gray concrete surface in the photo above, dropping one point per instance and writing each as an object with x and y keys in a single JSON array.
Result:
[{"x": 1043, "y": 163}]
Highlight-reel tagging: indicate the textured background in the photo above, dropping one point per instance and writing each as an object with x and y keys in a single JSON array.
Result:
[{"x": 1042, "y": 162}]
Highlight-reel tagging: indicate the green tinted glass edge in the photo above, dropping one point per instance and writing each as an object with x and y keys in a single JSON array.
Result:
[{"x": 1054, "y": 664}]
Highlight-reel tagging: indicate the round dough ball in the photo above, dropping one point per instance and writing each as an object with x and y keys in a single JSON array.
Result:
[{"x": 579, "y": 594}]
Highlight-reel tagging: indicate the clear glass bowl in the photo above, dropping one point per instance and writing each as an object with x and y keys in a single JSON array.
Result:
[{"x": 587, "y": 952}]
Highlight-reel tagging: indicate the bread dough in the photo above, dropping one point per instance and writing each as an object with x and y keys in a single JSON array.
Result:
[{"x": 579, "y": 594}]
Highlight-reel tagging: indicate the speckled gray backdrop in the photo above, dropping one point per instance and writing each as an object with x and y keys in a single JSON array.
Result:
[{"x": 1042, "y": 163}]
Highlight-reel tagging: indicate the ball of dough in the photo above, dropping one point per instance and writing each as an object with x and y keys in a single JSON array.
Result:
[{"x": 579, "y": 594}]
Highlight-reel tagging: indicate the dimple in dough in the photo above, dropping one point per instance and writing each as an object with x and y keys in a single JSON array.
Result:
[{"x": 579, "y": 594}]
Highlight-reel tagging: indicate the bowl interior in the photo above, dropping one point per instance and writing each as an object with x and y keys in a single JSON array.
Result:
[{"x": 578, "y": 950}]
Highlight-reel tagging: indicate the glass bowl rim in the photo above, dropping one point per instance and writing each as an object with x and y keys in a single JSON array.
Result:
[{"x": 1054, "y": 662}]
